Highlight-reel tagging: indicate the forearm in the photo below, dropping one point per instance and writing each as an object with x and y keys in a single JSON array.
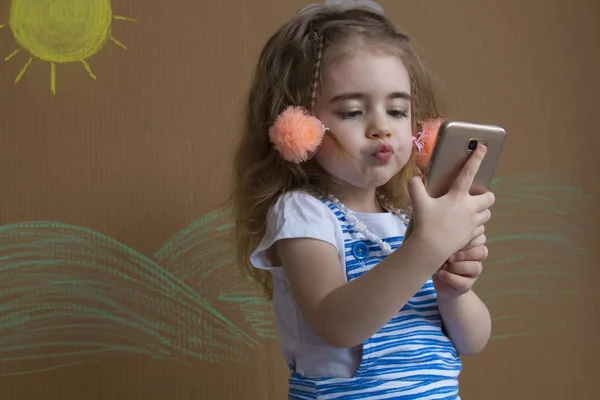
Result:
[
  {"x": 355, "y": 311},
  {"x": 467, "y": 322}
]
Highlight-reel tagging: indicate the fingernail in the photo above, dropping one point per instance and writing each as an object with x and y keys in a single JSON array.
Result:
[{"x": 482, "y": 148}]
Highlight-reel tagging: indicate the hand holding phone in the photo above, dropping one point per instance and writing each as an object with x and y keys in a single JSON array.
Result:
[
  {"x": 447, "y": 223},
  {"x": 454, "y": 145}
]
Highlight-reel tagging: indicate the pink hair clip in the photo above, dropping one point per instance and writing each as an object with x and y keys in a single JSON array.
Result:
[{"x": 419, "y": 140}]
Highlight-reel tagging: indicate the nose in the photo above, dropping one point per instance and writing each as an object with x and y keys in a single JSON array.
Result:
[
  {"x": 379, "y": 129},
  {"x": 379, "y": 134}
]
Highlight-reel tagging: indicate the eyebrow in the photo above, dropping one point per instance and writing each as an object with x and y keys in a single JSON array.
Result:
[{"x": 360, "y": 96}]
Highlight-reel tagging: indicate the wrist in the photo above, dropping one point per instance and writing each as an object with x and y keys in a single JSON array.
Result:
[
  {"x": 422, "y": 246},
  {"x": 451, "y": 296}
]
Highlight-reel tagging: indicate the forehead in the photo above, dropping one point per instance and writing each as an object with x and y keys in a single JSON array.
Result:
[{"x": 369, "y": 73}]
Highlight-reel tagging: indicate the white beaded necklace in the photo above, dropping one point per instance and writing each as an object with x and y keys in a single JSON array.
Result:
[{"x": 360, "y": 226}]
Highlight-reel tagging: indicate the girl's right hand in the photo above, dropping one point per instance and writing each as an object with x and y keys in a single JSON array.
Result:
[{"x": 446, "y": 224}]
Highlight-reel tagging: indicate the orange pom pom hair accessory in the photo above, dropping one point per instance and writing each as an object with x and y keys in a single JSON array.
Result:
[
  {"x": 296, "y": 134},
  {"x": 427, "y": 138}
]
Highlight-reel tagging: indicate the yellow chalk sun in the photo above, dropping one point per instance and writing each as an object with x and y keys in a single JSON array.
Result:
[{"x": 61, "y": 31}]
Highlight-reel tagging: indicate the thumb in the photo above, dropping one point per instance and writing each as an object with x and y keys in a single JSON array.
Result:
[{"x": 416, "y": 190}]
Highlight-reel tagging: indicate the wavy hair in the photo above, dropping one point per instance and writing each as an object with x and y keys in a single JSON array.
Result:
[{"x": 289, "y": 73}]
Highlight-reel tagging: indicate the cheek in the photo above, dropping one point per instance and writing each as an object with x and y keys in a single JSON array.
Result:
[
  {"x": 405, "y": 146},
  {"x": 342, "y": 145},
  {"x": 405, "y": 137},
  {"x": 403, "y": 155},
  {"x": 332, "y": 157},
  {"x": 326, "y": 148},
  {"x": 326, "y": 152}
]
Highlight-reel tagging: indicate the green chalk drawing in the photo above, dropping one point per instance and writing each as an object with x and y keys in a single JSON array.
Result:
[
  {"x": 69, "y": 295},
  {"x": 202, "y": 255},
  {"x": 537, "y": 252}
]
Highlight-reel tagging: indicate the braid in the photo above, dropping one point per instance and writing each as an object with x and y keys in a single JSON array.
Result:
[
  {"x": 415, "y": 105},
  {"x": 317, "y": 69},
  {"x": 319, "y": 44}
]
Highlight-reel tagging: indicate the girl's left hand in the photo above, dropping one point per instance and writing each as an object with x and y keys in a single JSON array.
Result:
[{"x": 457, "y": 276}]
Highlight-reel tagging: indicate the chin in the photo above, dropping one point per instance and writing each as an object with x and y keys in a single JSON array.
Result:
[
  {"x": 369, "y": 178},
  {"x": 375, "y": 182},
  {"x": 380, "y": 183},
  {"x": 383, "y": 177}
]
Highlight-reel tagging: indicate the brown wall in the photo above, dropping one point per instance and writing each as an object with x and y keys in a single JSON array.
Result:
[{"x": 116, "y": 275}]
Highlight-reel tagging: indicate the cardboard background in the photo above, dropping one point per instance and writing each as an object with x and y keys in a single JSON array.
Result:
[{"x": 143, "y": 301}]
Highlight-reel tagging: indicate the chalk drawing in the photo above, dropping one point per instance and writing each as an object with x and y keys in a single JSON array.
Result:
[
  {"x": 61, "y": 31},
  {"x": 202, "y": 256},
  {"x": 69, "y": 295},
  {"x": 537, "y": 254}
]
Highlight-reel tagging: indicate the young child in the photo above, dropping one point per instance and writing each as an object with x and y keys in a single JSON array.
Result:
[{"x": 326, "y": 179}]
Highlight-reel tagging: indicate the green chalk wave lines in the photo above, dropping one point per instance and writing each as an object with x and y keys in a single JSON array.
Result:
[{"x": 69, "y": 295}]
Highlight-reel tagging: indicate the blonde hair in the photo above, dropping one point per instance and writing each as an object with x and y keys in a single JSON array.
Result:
[{"x": 289, "y": 73}]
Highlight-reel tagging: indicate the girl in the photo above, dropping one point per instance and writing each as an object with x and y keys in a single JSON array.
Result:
[{"x": 326, "y": 178}]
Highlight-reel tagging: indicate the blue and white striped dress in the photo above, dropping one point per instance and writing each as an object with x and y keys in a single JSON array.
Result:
[{"x": 409, "y": 358}]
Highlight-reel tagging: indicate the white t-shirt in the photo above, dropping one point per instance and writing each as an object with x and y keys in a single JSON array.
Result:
[{"x": 300, "y": 215}]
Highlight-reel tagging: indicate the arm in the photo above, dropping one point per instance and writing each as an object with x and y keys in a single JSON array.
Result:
[
  {"x": 465, "y": 318},
  {"x": 467, "y": 322},
  {"x": 346, "y": 314}
]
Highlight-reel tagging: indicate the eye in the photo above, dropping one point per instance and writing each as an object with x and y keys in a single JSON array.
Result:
[
  {"x": 350, "y": 114},
  {"x": 398, "y": 113}
]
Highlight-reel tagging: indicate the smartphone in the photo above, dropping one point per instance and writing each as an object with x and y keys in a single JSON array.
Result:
[{"x": 455, "y": 142}]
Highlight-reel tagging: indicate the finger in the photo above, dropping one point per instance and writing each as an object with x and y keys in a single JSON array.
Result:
[
  {"x": 416, "y": 190},
  {"x": 484, "y": 201},
  {"x": 469, "y": 170},
  {"x": 477, "y": 241},
  {"x": 456, "y": 281},
  {"x": 478, "y": 254},
  {"x": 483, "y": 217},
  {"x": 471, "y": 269},
  {"x": 479, "y": 230}
]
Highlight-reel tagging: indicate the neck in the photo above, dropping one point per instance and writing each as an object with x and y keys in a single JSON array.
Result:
[{"x": 361, "y": 200}]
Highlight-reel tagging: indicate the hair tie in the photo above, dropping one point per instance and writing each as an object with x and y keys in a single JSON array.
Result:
[
  {"x": 418, "y": 142},
  {"x": 296, "y": 134}
]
